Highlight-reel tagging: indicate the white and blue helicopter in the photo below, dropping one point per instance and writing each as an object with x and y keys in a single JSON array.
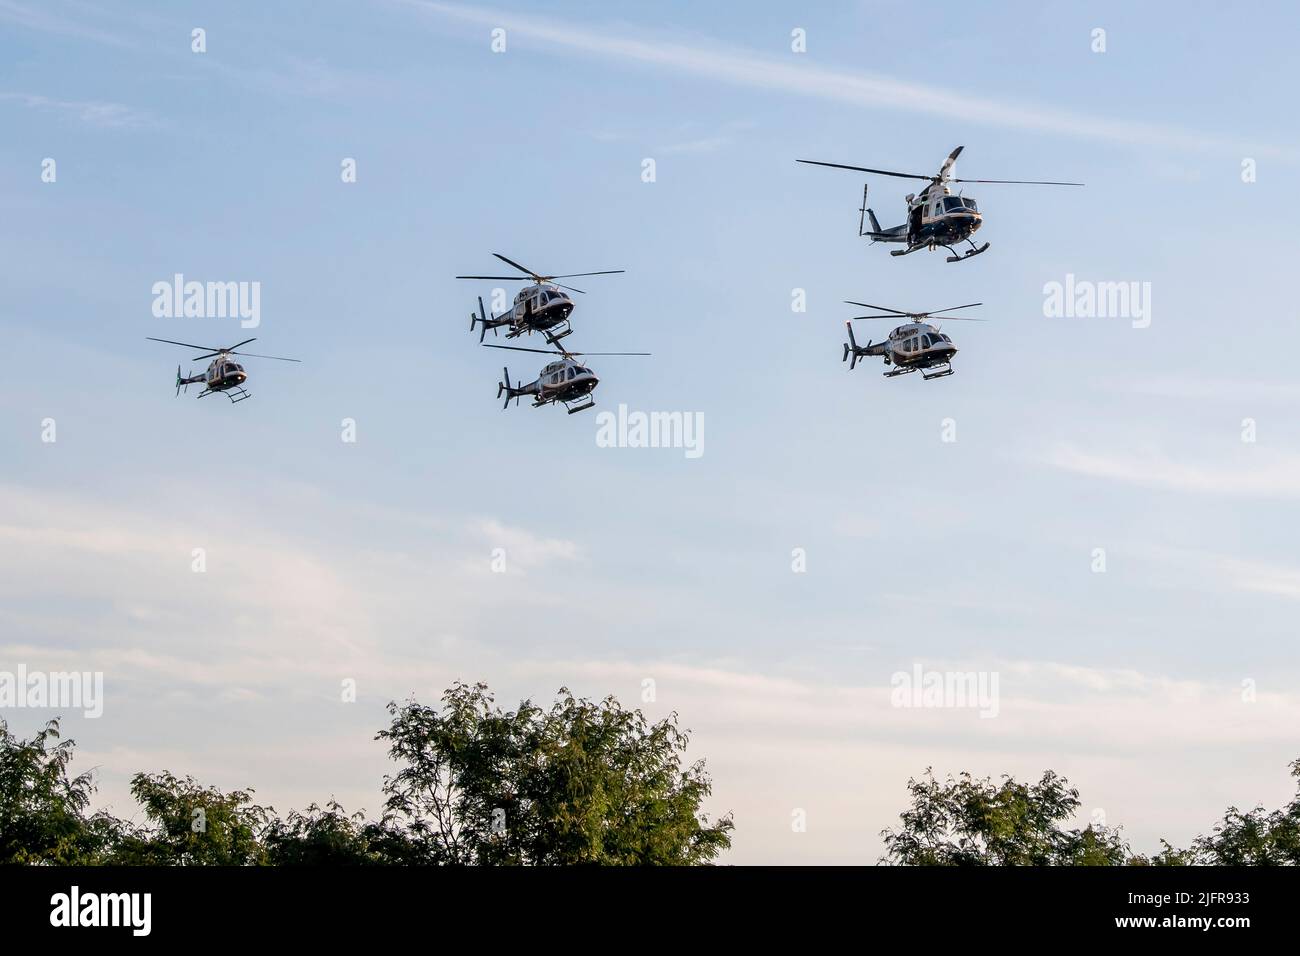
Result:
[
  {"x": 915, "y": 346},
  {"x": 224, "y": 374},
  {"x": 568, "y": 381},
  {"x": 935, "y": 217},
  {"x": 539, "y": 307}
]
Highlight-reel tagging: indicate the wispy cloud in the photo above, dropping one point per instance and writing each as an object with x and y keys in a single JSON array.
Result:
[
  {"x": 90, "y": 112},
  {"x": 1259, "y": 474},
  {"x": 796, "y": 75},
  {"x": 1202, "y": 388},
  {"x": 44, "y": 19}
]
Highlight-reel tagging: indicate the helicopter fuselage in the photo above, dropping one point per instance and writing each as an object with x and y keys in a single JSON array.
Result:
[
  {"x": 540, "y": 307},
  {"x": 222, "y": 374},
  {"x": 936, "y": 217},
  {"x": 918, "y": 345},
  {"x": 564, "y": 381}
]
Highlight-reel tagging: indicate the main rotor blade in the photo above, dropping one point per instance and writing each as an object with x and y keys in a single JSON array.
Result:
[
  {"x": 867, "y": 169},
  {"x": 238, "y": 344},
  {"x": 894, "y": 317},
  {"x": 948, "y": 163},
  {"x": 528, "y": 279},
  {"x": 574, "y": 275},
  {"x": 880, "y": 308},
  {"x": 188, "y": 345},
  {"x": 516, "y": 265},
  {"x": 1022, "y": 182},
  {"x": 278, "y": 358},
  {"x": 969, "y": 305},
  {"x": 520, "y": 348}
]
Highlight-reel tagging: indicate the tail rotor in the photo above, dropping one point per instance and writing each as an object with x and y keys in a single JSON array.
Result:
[
  {"x": 509, "y": 391},
  {"x": 851, "y": 348},
  {"x": 482, "y": 319}
]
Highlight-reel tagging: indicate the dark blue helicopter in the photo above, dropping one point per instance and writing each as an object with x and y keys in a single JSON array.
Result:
[{"x": 935, "y": 217}]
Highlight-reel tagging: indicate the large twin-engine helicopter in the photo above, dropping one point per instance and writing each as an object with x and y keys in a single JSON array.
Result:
[
  {"x": 914, "y": 346},
  {"x": 935, "y": 217},
  {"x": 567, "y": 381},
  {"x": 224, "y": 374},
  {"x": 539, "y": 307}
]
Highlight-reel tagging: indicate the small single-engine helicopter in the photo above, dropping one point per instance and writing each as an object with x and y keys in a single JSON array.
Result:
[
  {"x": 935, "y": 217},
  {"x": 567, "y": 381},
  {"x": 539, "y": 307},
  {"x": 224, "y": 374},
  {"x": 914, "y": 346}
]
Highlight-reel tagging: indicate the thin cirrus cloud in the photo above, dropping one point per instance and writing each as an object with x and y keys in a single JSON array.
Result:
[
  {"x": 1257, "y": 476},
  {"x": 90, "y": 112},
  {"x": 743, "y": 68},
  {"x": 43, "y": 19}
]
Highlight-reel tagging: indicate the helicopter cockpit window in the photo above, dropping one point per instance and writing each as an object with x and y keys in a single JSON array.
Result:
[
  {"x": 952, "y": 202},
  {"x": 572, "y": 373},
  {"x": 970, "y": 204}
]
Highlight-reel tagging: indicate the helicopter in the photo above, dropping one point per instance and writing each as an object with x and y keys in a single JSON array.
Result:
[
  {"x": 935, "y": 217},
  {"x": 539, "y": 307},
  {"x": 223, "y": 374},
  {"x": 914, "y": 346},
  {"x": 567, "y": 381}
]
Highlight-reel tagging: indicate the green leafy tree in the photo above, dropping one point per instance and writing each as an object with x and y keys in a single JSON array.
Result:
[
  {"x": 976, "y": 822},
  {"x": 1252, "y": 838},
  {"x": 189, "y": 824},
  {"x": 330, "y": 836},
  {"x": 42, "y": 808},
  {"x": 581, "y": 782}
]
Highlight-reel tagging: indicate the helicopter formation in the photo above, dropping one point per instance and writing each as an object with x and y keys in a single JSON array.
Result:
[
  {"x": 542, "y": 306},
  {"x": 935, "y": 219}
]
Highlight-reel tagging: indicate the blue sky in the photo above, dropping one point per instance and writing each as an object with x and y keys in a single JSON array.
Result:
[{"x": 371, "y": 560}]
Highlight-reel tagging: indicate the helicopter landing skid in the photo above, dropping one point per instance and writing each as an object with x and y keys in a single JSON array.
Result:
[
  {"x": 900, "y": 370},
  {"x": 974, "y": 250},
  {"x": 582, "y": 408},
  {"x": 235, "y": 394},
  {"x": 948, "y": 370},
  {"x": 553, "y": 338},
  {"x": 909, "y": 250}
]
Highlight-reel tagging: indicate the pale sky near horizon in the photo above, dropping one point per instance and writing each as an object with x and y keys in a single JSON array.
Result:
[{"x": 371, "y": 560}]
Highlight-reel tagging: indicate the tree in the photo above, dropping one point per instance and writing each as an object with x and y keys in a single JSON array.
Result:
[
  {"x": 189, "y": 824},
  {"x": 582, "y": 782},
  {"x": 1253, "y": 838},
  {"x": 326, "y": 837},
  {"x": 970, "y": 822},
  {"x": 43, "y": 809}
]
